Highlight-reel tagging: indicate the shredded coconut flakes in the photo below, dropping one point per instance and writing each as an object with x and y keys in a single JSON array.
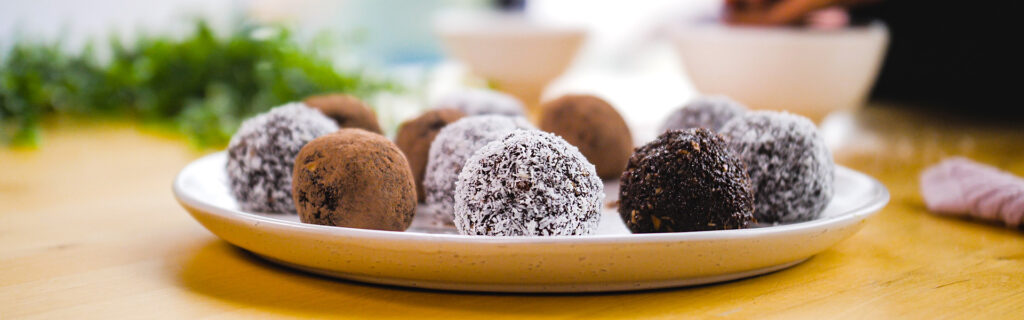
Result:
[
  {"x": 710, "y": 112},
  {"x": 262, "y": 152},
  {"x": 454, "y": 144},
  {"x": 789, "y": 165},
  {"x": 530, "y": 183},
  {"x": 479, "y": 102}
]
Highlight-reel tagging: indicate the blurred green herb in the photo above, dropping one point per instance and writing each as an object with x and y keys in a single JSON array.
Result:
[{"x": 202, "y": 85}]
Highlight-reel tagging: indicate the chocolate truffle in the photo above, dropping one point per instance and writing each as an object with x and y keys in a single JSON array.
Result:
[
  {"x": 449, "y": 151},
  {"x": 480, "y": 101},
  {"x": 346, "y": 110},
  {"x": 354, "y": 178},
  {"x": 686, "y": 180},
  {"x": 529, "y": 183},
  {"x": 789, "y": 165},
  {"x": 414, "y": 138},
  {"x": 262, "y": 151},
  {"x": 593, "y": 126},
  {"x": 710, "y": 112}
]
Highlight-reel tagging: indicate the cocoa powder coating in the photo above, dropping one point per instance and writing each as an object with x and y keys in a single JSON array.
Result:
[
  {"x": 593, "y": 126},
  {"x": 415, "y": 136},
  {"x": 354, "y": 178},
  {"x": 346, "y": 110}
]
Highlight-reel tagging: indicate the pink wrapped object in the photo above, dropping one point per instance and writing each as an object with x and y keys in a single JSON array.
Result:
[{"x": 961, "y": 187}]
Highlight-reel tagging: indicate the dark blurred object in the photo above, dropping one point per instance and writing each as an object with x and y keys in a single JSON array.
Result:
[
  {"x": 510, "y": 5},
  {"x": 959, "y": 56},
  {"x": 785, "y": 12},
  {"x": 952, "y": 55}
]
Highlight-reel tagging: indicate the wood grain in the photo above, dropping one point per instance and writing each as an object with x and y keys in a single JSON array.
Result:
[{"x": 89, "y": 229}]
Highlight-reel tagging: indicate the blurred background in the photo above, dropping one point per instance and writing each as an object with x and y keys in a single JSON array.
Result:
[
  {"x": 103, "y": 102},
  {"x": 197, "y": 68}
]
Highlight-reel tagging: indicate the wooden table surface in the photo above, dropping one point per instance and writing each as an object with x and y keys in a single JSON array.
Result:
[{"x": 89, "y": 229}]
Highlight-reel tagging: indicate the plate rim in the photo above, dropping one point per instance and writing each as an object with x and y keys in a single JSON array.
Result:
[
  {"x": 877, "y": 201},
  {"x": 574, "y": 287}
]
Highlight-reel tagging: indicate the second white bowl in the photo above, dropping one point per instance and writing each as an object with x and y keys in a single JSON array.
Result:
[{"x": 805, "y": 71}]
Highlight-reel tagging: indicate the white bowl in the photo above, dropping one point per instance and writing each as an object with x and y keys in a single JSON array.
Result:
[
  {"x": 805, "y": 71},
  {"x": 519, "y": 55},
  {"x": 611, "y": 260}
]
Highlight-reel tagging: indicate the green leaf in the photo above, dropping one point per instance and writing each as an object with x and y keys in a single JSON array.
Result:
[{"x": 202, "y": 85}]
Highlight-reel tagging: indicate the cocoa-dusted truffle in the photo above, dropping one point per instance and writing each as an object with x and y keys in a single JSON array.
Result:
[
  {"x": 354, "y": 178},
  {"x": 593, "y": 126},
  {"x": 449, "y": 151},
  {"x": 414, "y": 138},
  {"x": 686, "y": 180},
  {"x": 710, "y": 112},
  {"x": 346, "y": 110},
  {"x": 789, "y": 165},
  {"x": 261, "y": 153},
  {"x": 529, "y": 183},
  {"x": 474, "y": 102}
]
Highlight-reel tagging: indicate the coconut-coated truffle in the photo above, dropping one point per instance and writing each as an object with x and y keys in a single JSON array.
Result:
[
  {"x": 450, "y": 150},
  {"x": 685, "y": 180},
  {"x": 415, "y": 136},
  {"x": 474, "y": 102},
  {"x": 262, "y": 151},
  {"x": 347, "y": 111},
  {"x": 354, "y": 178},
  {"x": 789, "y": 165},
  {"x": 593, "y": 126},
  {"x": 529, "y": 183},
  {"x": 710, "y": 112}
]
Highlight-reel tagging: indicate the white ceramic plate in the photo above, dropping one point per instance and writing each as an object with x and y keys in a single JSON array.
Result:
[{"x": 611, "y": 260}]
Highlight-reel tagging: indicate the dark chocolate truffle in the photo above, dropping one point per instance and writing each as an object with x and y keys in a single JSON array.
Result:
[
  {"x": 686, "y": 180},
  {"x": 346, "y": 110},
  {"x": 710, "y": 112},
  {"x": 593, "y": 126},
  {"x": 354, "y": 178},
  {"x": 529, "y": 183},
  {"x": 474, "y": 102},
  {"x": 415, "y": 136},
  {"x": 262, "y": 151},
  {"x": 449, "y": 151},
  {"x": 789, "y": 165}
]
